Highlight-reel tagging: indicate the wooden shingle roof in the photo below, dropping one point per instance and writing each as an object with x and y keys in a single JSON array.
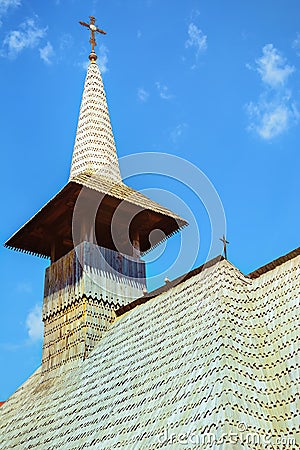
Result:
[
  {"x": 213, "y": 352},
  {"x": 275, "y": 263},
  {"x": 54, "y": 222}
]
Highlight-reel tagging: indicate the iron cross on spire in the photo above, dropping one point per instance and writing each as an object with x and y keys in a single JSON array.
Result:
[
  {"x": 93, "y": 29},
  {"x": 225, "y": 242}
]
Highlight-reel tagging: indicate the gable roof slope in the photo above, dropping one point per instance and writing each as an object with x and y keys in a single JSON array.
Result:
[{"x": 208, "y": 354}]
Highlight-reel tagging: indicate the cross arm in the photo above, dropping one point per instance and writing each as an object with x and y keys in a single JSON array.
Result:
[
  {"x": 100, "y": 31},
  {"x": 84, "y": 24}
]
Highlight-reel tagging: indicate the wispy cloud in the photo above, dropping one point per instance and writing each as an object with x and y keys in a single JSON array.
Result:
[
  {"x": 65, "y": 42},
  {"x": 177, "y": 132},
  {"x": 28, "y": 35},
  {"x": 196, "y": 39},
  {"x": 34, "y": 328},
  {"x": 272, "y": 67},
  {"x": 296, "y": 44},
  {"x": 142, "y": 95},
  {"x": 34, "y": 324},
  {"x": 270, "y": 118},
  {"x": 195, "y": 13},
  {"x": 6, "y": 5},
  {"x": 102, "y": 61},
  {"x": 103, "y": 58},
  {"x": 47, "y": 53},
  {"x": 163, "y": 91},
  {"x": 275, "y": 111},
  {"x": 83, "y": 64}
]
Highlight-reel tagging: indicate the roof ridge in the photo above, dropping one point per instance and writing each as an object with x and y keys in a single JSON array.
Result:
[
  {"x": 169, "y": 285},
  {"x": 275, "y": 263}
]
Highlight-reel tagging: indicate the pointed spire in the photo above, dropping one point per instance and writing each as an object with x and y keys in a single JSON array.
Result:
[
  {"x": 95, "y": 148},
  {"x": 95, "y": 154}
]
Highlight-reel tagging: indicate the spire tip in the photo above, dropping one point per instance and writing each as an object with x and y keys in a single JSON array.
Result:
[
  {"x": 93, "y": 57},
  {"x": 93, "y": 29}
]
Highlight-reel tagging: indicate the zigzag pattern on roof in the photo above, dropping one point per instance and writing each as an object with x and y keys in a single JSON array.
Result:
[
  {"x": 95, "y": 148},
  {"x": 214, "y": 353}
]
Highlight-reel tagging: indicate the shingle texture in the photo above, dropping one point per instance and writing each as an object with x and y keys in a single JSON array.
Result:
[
  {"x": 95, "y": 148},
  {"x": 217, "y": 354},
  {"x": 121, "y": 191}
]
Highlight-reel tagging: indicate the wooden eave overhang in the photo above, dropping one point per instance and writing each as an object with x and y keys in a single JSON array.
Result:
[{"x": 53, "y": 223}]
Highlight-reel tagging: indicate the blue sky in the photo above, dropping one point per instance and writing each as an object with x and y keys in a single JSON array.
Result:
[{"x": 214, "y": 82}]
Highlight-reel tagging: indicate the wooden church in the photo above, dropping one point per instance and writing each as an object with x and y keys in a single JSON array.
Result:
[{"x": 210, "y": 360}]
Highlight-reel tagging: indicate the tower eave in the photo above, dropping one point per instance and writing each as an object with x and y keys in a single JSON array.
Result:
[{"x": 53, "y": 224}]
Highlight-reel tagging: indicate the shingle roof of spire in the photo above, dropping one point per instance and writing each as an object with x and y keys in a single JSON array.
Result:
[{"x": 95, "y": 148}]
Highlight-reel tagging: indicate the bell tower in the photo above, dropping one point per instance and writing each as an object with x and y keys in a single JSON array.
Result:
[{"x": 94, "y": 232}]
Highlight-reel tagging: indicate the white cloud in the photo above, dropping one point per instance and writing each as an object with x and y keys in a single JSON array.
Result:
[
  {"x": 66, "y": 41},
  {"x": 103, "y": 58},
  {"x": 27, "y": 36},
  {"x": 272, "y": 118},
  {"x": 5, "y": 5},
  {"x": 83, "y": 64},
  {"x": 163, "y": 91},
  {"x": 194, "y": 14},
  {"x": 272, "y": 67},
  {"x": 177, "y": 132},
  {"x": 47, "y": 53},
  {"x": 34, "y": 324},
  {"x": 296, "y": 44},
  {"x": 142, "y": 95},
  {"x": 197, "y": 39},
  {"x": 275, "y": 111}
]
